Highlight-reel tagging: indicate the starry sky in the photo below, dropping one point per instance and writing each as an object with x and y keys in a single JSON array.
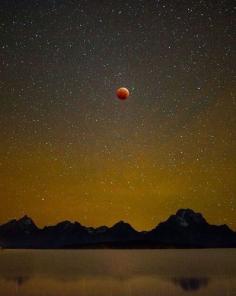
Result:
[{"x": 71, "y": 150}]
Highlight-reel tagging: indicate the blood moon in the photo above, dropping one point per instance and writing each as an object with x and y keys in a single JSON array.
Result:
[{"x": 122, "y": 93}]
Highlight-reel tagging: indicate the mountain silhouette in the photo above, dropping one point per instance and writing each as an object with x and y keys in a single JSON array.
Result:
[
  {"x": 185, "y": 229},
  {"x": 190, "y": 229}
]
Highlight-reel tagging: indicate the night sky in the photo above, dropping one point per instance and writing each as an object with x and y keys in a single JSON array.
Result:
[{"x": 71, "y": 150}]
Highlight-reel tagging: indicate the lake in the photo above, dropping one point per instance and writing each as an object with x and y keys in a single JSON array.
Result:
[{"x": 118, "y": 272}]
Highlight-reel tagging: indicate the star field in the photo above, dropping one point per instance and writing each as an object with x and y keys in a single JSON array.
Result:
[{"x": 71, "y": 150}]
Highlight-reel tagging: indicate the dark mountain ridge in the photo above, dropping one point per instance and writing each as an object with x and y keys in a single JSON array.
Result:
[{"x": 185, "y": 229}]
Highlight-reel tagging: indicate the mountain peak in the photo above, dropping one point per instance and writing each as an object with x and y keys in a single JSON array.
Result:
[
  {"x": 188, "y": 216},
  {"x": 122, "y": 227},
  {"x": 64, "y": 223},
  {"x": 26, "y": 220},
  {"x": 121, "y": 224}
]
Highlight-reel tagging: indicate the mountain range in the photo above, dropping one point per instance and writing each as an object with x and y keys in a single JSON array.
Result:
[{"x": 185, "y": 229}]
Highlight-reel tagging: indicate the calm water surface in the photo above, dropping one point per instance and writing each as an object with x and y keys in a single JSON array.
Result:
[{"x": 118, "y": 272}]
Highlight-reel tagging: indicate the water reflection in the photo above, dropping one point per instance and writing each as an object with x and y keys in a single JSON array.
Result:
[
  {"x": 115, "y": 273},
  {"x": 187, "y": 284},
  {"x": 19, "y": 281},
  {"x": 191, "y": 284}
]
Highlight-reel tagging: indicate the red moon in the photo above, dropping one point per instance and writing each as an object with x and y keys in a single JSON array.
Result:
[{"x": 122, "y": 93}]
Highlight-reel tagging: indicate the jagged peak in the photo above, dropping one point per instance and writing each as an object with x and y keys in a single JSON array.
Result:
[
  {"x": 27, "y": 223},
  {"x": 189, "y": 215},
  {"x": 68, "y": 225},
  {"x": 187, "y": 211},
  {"x": 26, "y": 220}
]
